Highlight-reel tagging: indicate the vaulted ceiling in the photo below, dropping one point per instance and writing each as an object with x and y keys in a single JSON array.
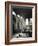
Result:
[{"x": 26, "y": 12}]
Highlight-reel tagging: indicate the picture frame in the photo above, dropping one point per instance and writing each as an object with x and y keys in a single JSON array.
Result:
[{"x": 26, "y": 12}]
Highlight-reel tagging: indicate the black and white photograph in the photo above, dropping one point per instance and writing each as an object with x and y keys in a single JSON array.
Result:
[{"x": 21, "y": 22}]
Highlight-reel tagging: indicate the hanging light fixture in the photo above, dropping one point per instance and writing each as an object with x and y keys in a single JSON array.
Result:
[
  {"x": 13, "y": 13},
  {"x": 18, "y": 15}
]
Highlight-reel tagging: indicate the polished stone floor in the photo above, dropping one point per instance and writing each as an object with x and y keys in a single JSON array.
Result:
[{"x": 21, "y": 35}]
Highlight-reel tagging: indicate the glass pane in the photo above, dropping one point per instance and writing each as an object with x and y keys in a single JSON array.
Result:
[{"x": 21, "y": 22}]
